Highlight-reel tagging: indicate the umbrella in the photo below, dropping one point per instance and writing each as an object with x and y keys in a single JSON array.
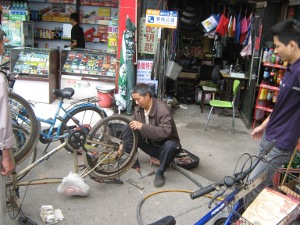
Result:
[{"x": 126, "y": 77}]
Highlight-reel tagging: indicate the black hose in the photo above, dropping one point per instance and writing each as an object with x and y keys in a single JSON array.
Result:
[
  {"x": 184, "y": 173},
  {"x": 138, "y": 211}
]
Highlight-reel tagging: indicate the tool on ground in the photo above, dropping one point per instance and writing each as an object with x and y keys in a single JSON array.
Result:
[
  {"x": 135, "y": 184},
  {"x": 23, "y": 220},
  {"x": 139, "y": 172},
  {"x": 148, "y": 174}
]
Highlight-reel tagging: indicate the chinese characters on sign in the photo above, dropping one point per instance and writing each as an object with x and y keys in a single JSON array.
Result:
[
  {"x": 148, "y": 37},
  {"x": 144, "y": 72},
  {"x": 161, "y": 18}
]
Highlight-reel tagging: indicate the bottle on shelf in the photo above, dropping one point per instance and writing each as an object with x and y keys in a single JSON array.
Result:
[
  {"x": 265, "y": 55},
  {"x": 274, "y": 97},
  {"x": 269, "y": 97},
  {"x": 272, "y": 77},
  {"x": 279, "y": 77},
  {"x": 273, "y": 58},
  {"x": 263, "y": 94},
  {"x": 278, "y": 60},
  {"x": 266, "y": 76},
  {"x": 270, "y": 53}
]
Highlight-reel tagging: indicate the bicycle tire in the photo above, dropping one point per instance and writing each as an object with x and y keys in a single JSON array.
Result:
[
  {"x": 23, "y": 115},
  {"x": 220, "y": 221},
  {"x": 68, "y": 122},
  {"x": 110, "y": 131},
  {"x": 20, "y": 135}
]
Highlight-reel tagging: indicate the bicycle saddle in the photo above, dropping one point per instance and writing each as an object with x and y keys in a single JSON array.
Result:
[
  {"x": 168, "y": 220},
  {"x": 64, "y": 93}
]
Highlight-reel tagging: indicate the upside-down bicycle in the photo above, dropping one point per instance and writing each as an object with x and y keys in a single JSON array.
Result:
[{"x": 102, "y": 152}]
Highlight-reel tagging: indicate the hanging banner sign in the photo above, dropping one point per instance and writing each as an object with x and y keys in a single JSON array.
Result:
[
  {"x": 161, "y": 18},
  {"x": 144, "y": 73},
  {"x": 148, "y": 38}
]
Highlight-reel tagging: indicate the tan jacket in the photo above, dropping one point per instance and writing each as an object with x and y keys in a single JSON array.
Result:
[{"x": 161, "y": 125}]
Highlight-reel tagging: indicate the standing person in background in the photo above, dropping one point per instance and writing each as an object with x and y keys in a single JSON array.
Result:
[
  {"x": 283, "y": 124},
  {"x": 77, "y": 35},
  {"x": 7, "y": 140}
]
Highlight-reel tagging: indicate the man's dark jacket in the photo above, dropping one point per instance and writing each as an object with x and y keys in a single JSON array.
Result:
[{"x": 161, "y": 125}]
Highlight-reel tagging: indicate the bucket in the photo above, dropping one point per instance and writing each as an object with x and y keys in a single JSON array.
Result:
[
  {"x": 173, "y": 70},
  {"x": 105, "y": 95}
]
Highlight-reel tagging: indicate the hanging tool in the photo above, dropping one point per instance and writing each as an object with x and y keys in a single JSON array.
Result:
[{"x": 148, "y": 174}]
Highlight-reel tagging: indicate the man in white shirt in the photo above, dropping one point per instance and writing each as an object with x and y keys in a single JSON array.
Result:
[{"x": 7, "y": 140}]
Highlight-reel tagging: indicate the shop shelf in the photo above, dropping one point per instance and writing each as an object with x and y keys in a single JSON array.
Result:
[
  {"x": 274, "y": 88},
  {"x": 50, "y": 2},
  {"x": 64, "y": 39},
  {"x": 50, "y": 39},
  {"x": 274, "y": 65},
  {"x": 98, "y": 4},
  {"x": 263, "y": 108},
  {"x": 50, "y": 21}
]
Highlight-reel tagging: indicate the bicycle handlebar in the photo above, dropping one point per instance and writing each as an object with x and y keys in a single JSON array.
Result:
[
  {"x": 203, "y": 191},
  {"x": 239, "y": 177}
]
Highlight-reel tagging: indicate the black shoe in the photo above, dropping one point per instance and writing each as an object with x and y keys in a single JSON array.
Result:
[{"x": 159, "y": 180}]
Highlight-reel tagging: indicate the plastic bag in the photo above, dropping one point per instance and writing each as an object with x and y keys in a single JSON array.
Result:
[{"x": 72, "y": 185}]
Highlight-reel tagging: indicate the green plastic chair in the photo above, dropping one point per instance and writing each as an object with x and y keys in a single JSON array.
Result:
[{"x": 225, "y": 104}]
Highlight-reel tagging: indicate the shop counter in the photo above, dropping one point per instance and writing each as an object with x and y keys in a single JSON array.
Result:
[
  {"x": 84, "y": 70},
  {"x": 41, "y": 69}
]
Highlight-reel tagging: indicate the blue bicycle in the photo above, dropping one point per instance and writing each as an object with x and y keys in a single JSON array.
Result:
[
  {"x": 229, "y": 210},
  {"x": 80, "y": 115}
]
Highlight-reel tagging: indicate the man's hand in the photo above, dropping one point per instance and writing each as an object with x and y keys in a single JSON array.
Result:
[
  {"x": 135, "y": 125},
  {"x": 8, "y": 164},
  {"x": 257, "y": 133}
]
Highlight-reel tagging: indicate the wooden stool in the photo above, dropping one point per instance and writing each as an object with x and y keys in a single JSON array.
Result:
[{"x": 207, "y": 90}]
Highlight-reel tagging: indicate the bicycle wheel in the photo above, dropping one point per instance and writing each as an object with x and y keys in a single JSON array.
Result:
[
  {"x": 86, "y": 116},
  {"x": 103, "y": 158},
  {"x": 23, "y": 116},
  {"x": 21, "y": 135}
]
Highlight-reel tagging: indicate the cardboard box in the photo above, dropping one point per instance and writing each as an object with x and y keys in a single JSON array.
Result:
[{"x": 269, "y": 207}]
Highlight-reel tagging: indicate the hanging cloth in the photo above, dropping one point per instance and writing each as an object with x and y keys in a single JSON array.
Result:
[
  {"x": 248, "y": 49},
  {"x": 238, "y": 30},
  {"x": 244, "y": 25},
  {"x": 230, "y": 27},
  {"x": 233, "y": 26},
  {"x": 222, "y": 27}
]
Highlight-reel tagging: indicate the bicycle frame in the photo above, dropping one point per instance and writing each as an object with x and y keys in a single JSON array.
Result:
[
  {"x": 236, "y": 195},
  {"x": 52, "y": 122},
  {"x": 49, "y": 154},
  {"x": 219, "y": 207}
]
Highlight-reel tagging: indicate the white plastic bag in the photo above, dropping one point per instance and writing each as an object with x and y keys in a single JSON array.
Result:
[{"x": 73, "y": 184}]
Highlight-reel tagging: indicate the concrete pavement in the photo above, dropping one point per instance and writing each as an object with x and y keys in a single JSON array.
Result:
[{"x": 218, "y": 148}]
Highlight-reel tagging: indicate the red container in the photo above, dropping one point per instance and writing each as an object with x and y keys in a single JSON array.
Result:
[{"x": 105, "y": 95}]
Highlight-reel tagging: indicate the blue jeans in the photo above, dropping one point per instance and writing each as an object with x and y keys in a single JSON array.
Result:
[{"x": 269, "y": 169}]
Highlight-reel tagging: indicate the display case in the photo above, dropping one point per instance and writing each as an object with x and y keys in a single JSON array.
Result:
[
  {"x": 40, "y": 67},
  {"x": 84, "y": 70}
]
